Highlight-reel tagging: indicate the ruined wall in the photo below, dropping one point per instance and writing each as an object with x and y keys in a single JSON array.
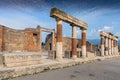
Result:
[
  {"x": 32, "y": 43},
  {"x": 67, "y": 43},
  {"x": 19, "y": 40},
  {"x": 13, "y": 39},
  {"x": 48, "y": 42}
]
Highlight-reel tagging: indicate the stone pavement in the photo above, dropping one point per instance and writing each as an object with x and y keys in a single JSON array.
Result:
[
  {"x": 98, "y": 70},
  {"x": 46, "y": 65}
]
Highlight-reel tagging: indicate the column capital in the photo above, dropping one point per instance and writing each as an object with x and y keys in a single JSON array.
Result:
[
  {"x": 102, "y": 36},
  {"x": 59, "y": 21},
  {"x": 83, "y": 30}
]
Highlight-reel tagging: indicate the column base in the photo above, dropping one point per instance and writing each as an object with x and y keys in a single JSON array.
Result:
[
  {"x": 83, "y": 56},
  {"x": 59, "y": 59},
  {"x": 102, "y": 55},
  {"x": 74, "y": 57}
]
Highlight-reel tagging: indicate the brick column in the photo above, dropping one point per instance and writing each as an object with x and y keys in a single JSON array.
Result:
[
  {"x": 109, "y": 46},
  {"x": 1, "y": 38},
  {"x": 84, "y": 54},
  {"x": 74, "y": 42},
  {"x": 59, "y": 40},
  {"x": 102, "y": 45},
  {"x": 106, "y": 46}
]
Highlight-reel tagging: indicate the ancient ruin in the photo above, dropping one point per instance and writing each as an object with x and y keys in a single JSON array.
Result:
[
  {"x": 62, "y": 16},
  {"x": 109, "y": 44},
  {"x": 23, "y": 48}
]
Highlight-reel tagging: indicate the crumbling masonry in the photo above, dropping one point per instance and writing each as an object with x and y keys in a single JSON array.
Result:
[
  {"x": 109, "y": 44},
  {"x": 29, "y": 40},
  {"x": 62, "y": 16}
]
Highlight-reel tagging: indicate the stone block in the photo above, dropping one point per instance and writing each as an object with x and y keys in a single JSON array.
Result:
[
  {"x": 79, "y": 54},
  {"x": 68, "y": 54},
  {"x": 90, "y": 55},
  {"x": 51, "y": 54},
  {"x": 21, "y": 59}
]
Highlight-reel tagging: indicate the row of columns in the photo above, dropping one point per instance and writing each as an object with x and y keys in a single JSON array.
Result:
[
  {"x": 109, "y": 45},
  {"x": 74, "y": 41}
]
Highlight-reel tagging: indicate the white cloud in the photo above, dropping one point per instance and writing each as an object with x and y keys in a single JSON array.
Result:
[
  {"x": 117, "y": 34},
  {"x": 106, "y": 29}
]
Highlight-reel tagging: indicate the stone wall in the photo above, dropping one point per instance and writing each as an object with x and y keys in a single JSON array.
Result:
[
  {"x": 13, "y": 39},
  {"x": 19, "y": 40},
  {"x": 21, "y": 59},
  {"x": 67, "y": 44},
  {"x": 32, "y": 43},
  {"x": 48, "y": 42}
]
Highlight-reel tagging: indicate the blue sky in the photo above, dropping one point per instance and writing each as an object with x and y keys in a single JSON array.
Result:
[{"x": 98, "y": 14}]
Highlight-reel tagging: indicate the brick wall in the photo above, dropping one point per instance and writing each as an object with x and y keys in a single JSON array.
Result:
[
  {"x": 13, "y": 39},
  {"x": 32, "y": 43},
  {"x": 19, "y": 40},
  {"x": 67, "y": 43}
]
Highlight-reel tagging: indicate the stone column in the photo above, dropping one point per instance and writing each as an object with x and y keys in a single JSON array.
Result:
[
  {"x": 102, "y": 45},
  {"x": 106, "y": 46},
  {"x": 59, "y": 40},
  {"x": 117, "y": 48},
  {"x": 84, "y": 54},
  {"x": 109, "y": 46},
  {"x": 114, "y": 47},
  {"x": 53, "y": 37},
  {"x": 40, "y": 40},
  {"x": 74, "y": 42},
  {"x": 112, "y": 52}
]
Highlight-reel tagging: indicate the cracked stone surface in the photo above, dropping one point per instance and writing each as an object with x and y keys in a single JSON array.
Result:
[{"x": 98, "y": 70}]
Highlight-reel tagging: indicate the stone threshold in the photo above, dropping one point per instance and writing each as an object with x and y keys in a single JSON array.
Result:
[{"x": 12, "y": 72}]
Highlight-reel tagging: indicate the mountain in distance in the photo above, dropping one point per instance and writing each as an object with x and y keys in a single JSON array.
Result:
[{"x": 94, "y": 41}]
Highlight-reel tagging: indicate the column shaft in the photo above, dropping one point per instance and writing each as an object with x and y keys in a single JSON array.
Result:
[
  {"x": 84, "y": 54},
  {"x": 109, "y": 46},
  {"x": 74, "y": 42},
  {"x": 112, "y": 47},
  {"x": 102, "y": 46},
  {"x": 59, "y": 40},
  {"x": 53, "y": 38},
  {"x": 106, "y": 46},
  {"x": 117, "y": 48}
]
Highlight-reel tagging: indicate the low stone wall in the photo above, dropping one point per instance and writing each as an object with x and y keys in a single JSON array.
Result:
[{"x": 21, "y": 59}]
